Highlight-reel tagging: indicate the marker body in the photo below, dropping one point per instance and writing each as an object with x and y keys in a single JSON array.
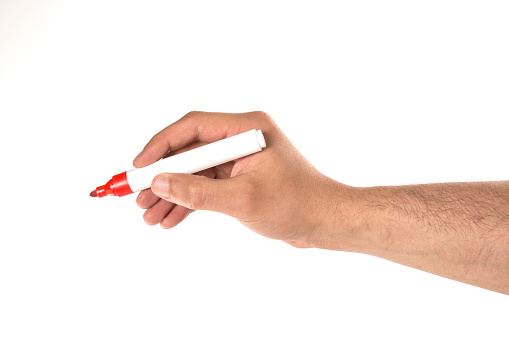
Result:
[{"x": 192, "y": 161}]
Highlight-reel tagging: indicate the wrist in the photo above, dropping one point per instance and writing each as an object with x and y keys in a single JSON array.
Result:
[{"x": 343, "y": 222}]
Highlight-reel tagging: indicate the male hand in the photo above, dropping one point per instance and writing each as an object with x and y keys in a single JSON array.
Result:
[{"x": 276, "y": 193}]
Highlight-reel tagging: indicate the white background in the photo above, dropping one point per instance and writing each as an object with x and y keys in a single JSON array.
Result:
[{"x": 371, "y": 92}]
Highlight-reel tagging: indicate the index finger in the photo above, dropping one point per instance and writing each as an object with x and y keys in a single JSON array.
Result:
[{"x": 194, "y": 126}]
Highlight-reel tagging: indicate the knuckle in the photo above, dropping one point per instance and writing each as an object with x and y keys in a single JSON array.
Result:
[
  {"x": 196, "y": 195},
  {"x": 262, "y": 117},
  {"x": 139, "y": 202},
  {"x": 149, "y": 219},
  {"x": 192, "y": 114}
]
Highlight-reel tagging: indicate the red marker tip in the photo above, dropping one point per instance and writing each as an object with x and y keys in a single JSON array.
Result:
[{"x": 93, "y": 193}]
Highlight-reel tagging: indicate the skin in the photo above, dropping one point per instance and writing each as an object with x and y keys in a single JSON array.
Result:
[{"x": 456, "y": 230}]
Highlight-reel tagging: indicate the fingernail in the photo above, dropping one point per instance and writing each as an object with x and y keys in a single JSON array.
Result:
[
  {"x": 138, "y": 156},
  {"x": 161, "y": 186}
]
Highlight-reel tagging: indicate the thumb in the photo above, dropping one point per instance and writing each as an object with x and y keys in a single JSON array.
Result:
[{"x": 201, "y": 193}]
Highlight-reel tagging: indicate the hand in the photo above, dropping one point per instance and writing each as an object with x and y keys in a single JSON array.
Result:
[
  {"x": 276, "y": 193},
  {"x": 456, "y": 230}
]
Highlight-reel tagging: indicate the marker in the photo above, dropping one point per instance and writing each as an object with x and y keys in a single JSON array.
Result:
[{"x": 192, "y": 161}]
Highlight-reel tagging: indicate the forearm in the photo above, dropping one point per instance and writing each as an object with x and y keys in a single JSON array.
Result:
[{"x": 456, "y": 230}]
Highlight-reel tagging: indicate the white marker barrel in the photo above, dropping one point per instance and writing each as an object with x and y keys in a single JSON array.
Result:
[{"x": 200, "y": 158}]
